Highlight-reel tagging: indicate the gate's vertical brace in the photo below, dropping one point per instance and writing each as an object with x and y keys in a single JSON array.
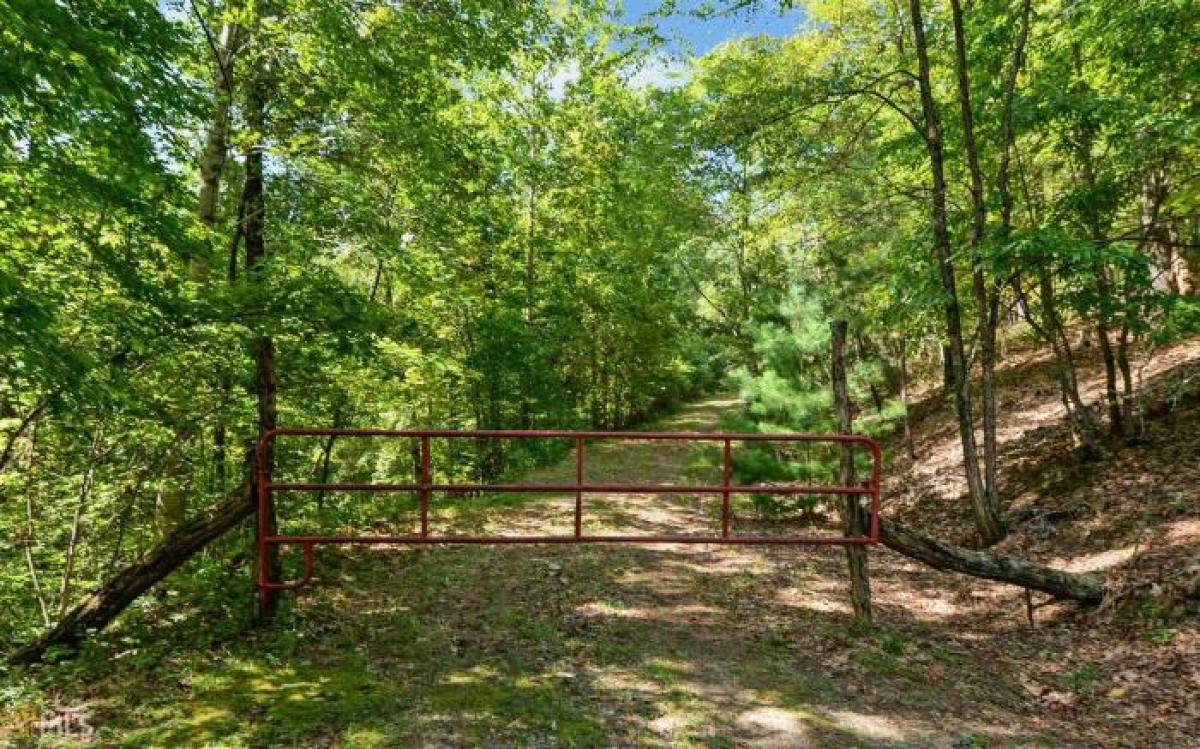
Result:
[
  {"x": 876, "y": 476},
  {"x": 263, "y": 484},
  {"x": 727, "y": 478},
  {"x": 578, "y": 487},
  {"x": 425, "y": 482}
]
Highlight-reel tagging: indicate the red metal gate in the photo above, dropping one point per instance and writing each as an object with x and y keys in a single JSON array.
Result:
[{"x": 426, "y": 487}]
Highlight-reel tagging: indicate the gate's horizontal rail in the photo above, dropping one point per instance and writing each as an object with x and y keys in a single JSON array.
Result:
[
  {"x": 561, "y": 539},
  {"x": 587, "y": 488},
  {"x": 426, "y": 487},
  {"x": 566, "y": 434}
]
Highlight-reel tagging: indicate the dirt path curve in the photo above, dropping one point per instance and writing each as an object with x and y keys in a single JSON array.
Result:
[{"x": 601, "y": 646}]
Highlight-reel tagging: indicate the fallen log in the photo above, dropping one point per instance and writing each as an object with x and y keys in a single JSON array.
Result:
[
  {"x": 110, "y": 599},
  {"x": 1006, "y": 569}
]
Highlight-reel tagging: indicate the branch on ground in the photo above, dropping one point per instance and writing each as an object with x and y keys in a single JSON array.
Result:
[
  {"x": 99, "y": 608},
  {"x": 1006, "y": 569}
]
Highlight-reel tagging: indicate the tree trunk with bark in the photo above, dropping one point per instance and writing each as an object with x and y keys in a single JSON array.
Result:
[
  {"x": 1116, "y": 420},
  {"x": 988, "y": 523},
  {"x": 1085, "y": 137},
  {"x": 216, "y": 142},
  {"x": 854, "y": 516},
  {"x": 1047, "y": 323},
  {"x": 1007, "y": 133},
  {"x": 172, "y": 499},
  {"x": 909, "y": 443},
  {"x": 986, "y": 294},
  {"x": 65, "y": 588},
  {"x": 10, "y": 441},
  {"x": 947, "y": 360},
  {"x": 265, "y": 382},
  {"x": 30, "y": 533}
]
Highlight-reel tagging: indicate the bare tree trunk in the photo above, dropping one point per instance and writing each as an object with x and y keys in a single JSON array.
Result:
[
  {"x": 1116, "y": 421},
  {"x": 864, "y": 350},
  {"x": 1184, "y": 260},
  {"x": 1154, "y": 244},
  {"x": 1051, "y": 330},
  {"x": 1129, "y": 408},
  {"x": 987, "y": 517},
  {"x": 172, "y": 499},
  {"x": 34, "y": 578},
  {"x": 130, "y": 495},
  {"x": 854, "y": 520},
  {"x": 1084, "y": 141},
  {"x": 1007, "y": 134},
  {"x": 987, "y": 386},
  {"x": 265, "y": 385},
  {"x": 745, "y": 284},
  {"x": 265, "y": 382},
  {"x": 375, "y": 281},
  {"x": 327, "y": 453},
  {"x": 219, "y": 439},
  {"x": 530, "y": 253},
  {"x": 986, "y": 295},
  {"x": 85, "y": 493},
  {"x": 216, "y": 142},
  {"x": 948, "y": 376},
  {"x": 978, "y": 206},
  {"x": 323, "y": 474},
  {"x": 10, "y": 442},
  {"x": 909, "y": 444},
  {"x": 525, "y": 417}
]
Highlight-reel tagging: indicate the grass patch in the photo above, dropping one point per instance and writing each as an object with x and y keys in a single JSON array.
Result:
[
  {"x": 892, "y": 644},
  {"x": 1082, "y": 679},
  {"x": 662, "y": 672},
  {"x": 877, "y": 662}
]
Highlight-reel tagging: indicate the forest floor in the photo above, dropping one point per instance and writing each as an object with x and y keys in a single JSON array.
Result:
[{"x": 679, "y": 645}]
